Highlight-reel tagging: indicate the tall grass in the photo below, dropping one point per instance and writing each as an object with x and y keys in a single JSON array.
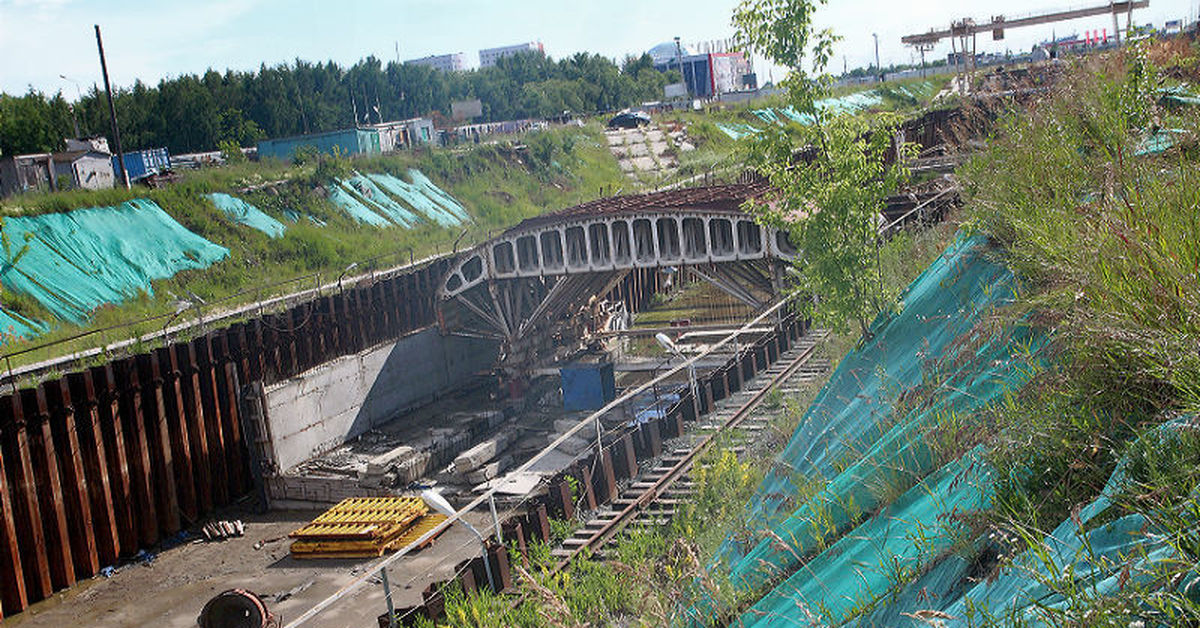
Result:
[{"x": 1105, "y": 240}]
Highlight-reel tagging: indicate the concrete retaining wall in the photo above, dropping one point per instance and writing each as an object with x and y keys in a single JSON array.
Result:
[{"x": 325, "y": 406}]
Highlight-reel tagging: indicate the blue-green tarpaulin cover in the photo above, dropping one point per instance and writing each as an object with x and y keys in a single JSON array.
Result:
[
  {"x": 79, "y": 260},
  {"x": 1158, "y": 141},
  {"x": 242, "y": 212},
  {"x": 848, "y": 104}
]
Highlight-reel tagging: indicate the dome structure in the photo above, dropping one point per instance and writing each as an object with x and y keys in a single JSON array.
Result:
[{"x": 666, "y": 52}]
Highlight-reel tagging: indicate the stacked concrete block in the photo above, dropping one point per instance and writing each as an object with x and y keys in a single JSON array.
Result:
[{"x": 480, "y": 454}]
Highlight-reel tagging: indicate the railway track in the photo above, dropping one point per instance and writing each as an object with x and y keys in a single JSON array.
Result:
[{"x": 651, "y": 498}]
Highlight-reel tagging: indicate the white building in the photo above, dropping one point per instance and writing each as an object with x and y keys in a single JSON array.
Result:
[
  {"x": 452, "y": 62},
  {"x": 489, "y": 56},
  {"x": 85, "y": 169}
]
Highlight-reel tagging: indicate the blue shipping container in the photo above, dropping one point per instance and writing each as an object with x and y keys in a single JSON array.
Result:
[
  {"x": 346, "y": 141},
  {"x": 144, "y": 163},
  {"x": 587, "y": 385}
]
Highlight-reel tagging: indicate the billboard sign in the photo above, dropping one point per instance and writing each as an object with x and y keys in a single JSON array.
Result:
[
  {"x": 466, "y": 109},
  {"x": 675, "y": 91}
]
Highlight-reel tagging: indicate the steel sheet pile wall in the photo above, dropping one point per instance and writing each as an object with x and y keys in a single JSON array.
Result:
[
  {"x": 598, "y": 472},
  {"x": 107, "y": 461}
]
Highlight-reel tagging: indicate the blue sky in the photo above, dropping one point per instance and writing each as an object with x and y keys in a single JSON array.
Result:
[{"x": 42, "y": 39}]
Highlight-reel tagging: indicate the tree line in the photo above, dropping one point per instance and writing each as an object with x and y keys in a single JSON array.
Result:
[{"x": 192, "y": 113}]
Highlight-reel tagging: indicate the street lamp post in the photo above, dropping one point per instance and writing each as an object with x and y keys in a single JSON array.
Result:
[
  {"x": 439, "y": 503},
  {"x": 343, "y": 275},
  {"x": 679, "y": 61},
  {"x": 78, "y": 99}
]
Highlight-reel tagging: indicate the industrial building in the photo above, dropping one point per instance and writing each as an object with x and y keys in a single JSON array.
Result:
[
  {"x": 489, "y": 56},
  {"x": 344, "y": 141},
  {"x": 707, "y": 75},
  {"x": 452, "y": 62},
  {"x": 401, "y": 134}
]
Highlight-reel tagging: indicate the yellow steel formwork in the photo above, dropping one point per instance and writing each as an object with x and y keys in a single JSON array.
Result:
[{"x": 358, "y": 527}]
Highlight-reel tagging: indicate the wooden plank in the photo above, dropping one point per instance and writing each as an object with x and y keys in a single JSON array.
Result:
[
  {"x": 104, "y": 381},
  {"x": 174, "y": 418},
  {"x": 212, "y": 420},
  {"x": 73, "y": 478},
  {"x": 27, "y": 511},
  {"x": 50, "y": 493},
  {"x": 95, "y": 463},
  {"x": 193, "y": 410},
  {"x": 12, "y": 575}
]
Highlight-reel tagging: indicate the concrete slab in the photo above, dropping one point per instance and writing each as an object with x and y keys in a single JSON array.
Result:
[{"x": 170, "y": 591}]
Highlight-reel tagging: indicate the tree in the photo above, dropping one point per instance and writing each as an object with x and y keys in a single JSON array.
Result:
[
  {"x": 829, "y": 202},
  {"x": 197, "y": 112}
]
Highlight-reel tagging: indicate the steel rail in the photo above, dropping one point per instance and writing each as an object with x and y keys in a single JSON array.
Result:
[{"x": 652, "y": 493}]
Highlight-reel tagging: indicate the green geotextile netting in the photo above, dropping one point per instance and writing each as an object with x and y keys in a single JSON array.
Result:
[
  {"x": 82, "y": 259},
  {"x": 737, "y": 131},
  {"x": 866, "y": 439},
  {"x": 425, "y": 197},
  {"x": 850, "y": 103},
  {"x": 13, "y": 326},
  {"x": 355, "y": 208},
  {"x": 379, "y": 201},
  {"x": 880, "y": 541},
  {"x": 382, "y": 194},
  {"x": 1085, "y": 554},
  {"x": 244, "y": 213},
  {"x": 864, "y": 565}
]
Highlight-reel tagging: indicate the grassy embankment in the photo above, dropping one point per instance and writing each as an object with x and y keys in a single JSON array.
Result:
[{"x": 499, "y": 184}]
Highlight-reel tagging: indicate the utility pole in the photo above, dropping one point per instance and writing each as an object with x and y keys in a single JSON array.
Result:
[
  {"x": 878, "y": 68},
  {"x": 112, "y": 113}
]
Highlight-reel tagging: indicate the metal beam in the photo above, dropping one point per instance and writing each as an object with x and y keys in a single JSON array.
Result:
[
  {"x": 729, "y": 285},
  {"x": 487, "y": 318},
  {"x": 969, "y": 27}
]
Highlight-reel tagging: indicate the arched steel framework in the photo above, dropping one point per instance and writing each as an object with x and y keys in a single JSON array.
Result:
[{"x": 515, "y": 286}]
